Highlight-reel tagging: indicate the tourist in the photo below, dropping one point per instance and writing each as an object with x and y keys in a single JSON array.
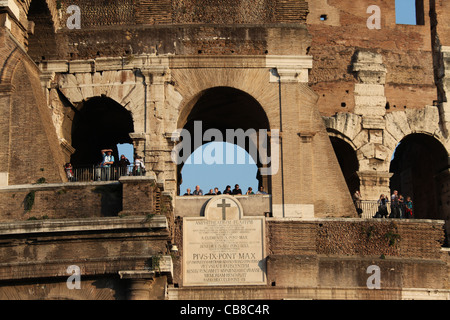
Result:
[
  {"x": 394, "y": 205},
  {"x": 382, "y": 207},
  {"x": 249, "y": 191},
  {"x": 107, "y": 162},
  {"x": 408, "y": 208},
  {"x": 197, "y": 191},
  {"x": 139, "y": 167},
  {"x": 188, "y": 192},
  {"x": 236, "y": 190},
  {"x": 401, "y": 207},
  {"x": 216, "y": 191},
  {"x": 261, "y": 190},
  {"x": 69, "y": 172},
  {"x": 227, "y": 190},
  {"x": 123, "y": 165},
  {"x": 210, "y": 193}
]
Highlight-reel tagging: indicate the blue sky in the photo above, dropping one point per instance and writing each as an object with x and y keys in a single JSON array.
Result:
[
  {"x": 405, "y": 11},
  {"x": 210, "y": 176},
  {"x": 242, "y": 171}
]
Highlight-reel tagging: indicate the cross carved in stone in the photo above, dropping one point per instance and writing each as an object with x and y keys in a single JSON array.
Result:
[{"x": 224, "y": 205}]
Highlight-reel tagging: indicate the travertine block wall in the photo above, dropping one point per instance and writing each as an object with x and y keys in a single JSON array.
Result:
[
  {"x": 60, "y": 201},
  {"x": 336, "y": 253}
]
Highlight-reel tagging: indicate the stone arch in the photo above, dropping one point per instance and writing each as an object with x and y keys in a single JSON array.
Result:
[
  {"x": 123, "y": 86},
  {"x": 13, "y": 57},
  {"x": 192, "y": 83},
  {"x": 346, "y": 126},
  {"x": 332, "y": 133},
  {"x": 400, "y": 124},
  {"x": 216, "y": 108},
  {"x": 420, "y": 170},
  {"x": 52, "y": 6},
  {"x": 42, "y": 44}
]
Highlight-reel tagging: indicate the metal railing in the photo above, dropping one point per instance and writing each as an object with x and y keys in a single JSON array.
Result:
[
  {"x": 370, "y": 208},
  {"x": 96, "y": 173}
]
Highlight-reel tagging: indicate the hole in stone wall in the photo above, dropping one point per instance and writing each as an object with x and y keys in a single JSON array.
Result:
[
  {"x": 210, "y": 165},
  {"x": 409, "y": 12},
  {"x": 343, "y": 104},
  {"x": 348, "y": 162},
  {"x": 323, "y": 17},
  {"x": 417, "y": 166},
  {"x": 42, "y": 43},
  {"x": 100, "y": 123}
]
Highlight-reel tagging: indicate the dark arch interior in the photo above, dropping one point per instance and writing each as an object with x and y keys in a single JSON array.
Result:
[
  {"x": 42, "y": 43},
  {"x": 418, "y": 164},
  {"x": 100, "y": 123},
  {"x": 348, "y": 162},
  {"x": 225, "y": 108}
]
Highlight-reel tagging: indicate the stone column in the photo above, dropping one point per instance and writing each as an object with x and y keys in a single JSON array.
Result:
[
  {"x": 158, "y": 149},
  {"x": 370, "y": 104},
  {"x": 140, "y": 284},
  {"x": 289, "y": 198},
  {"x": 374, "y": 183},
  {"x": 149, "y": 284}
]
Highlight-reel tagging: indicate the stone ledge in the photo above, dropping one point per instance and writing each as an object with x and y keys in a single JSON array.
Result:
[
  {"x": 51, "y": 186},
  {"x": 308, "y": 293},
  {"x": 85, "y": 224},
  {"x": 382, "y": 220},
  {"x": 133, "y": 179},
  {"x": 58, "y": 268},
  {"x": 165, "y": 266}
]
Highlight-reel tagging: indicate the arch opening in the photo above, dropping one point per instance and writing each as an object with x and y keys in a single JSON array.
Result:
[
  {"x": 348, "y": 161},
  {"x": 418, "y": 170},
  {"x": 224, "y": 116},
  {"x": 42, "y": 43},
  {"x": 100, "y": 123},
  {"x": 217, "y": 172}
]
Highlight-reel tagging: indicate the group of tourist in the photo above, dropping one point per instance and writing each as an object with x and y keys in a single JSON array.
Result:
[
  {"x": 236, "y": 191},
  {"x": 401, "y": 208},
  {"x": 106, "y": 168}
]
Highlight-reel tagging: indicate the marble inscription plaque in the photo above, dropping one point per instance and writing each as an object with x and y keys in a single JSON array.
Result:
[{"x": 223, "y": 248}]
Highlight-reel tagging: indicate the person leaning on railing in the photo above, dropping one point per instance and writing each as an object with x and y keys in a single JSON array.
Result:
[
  {"x": 382, "y": 207},
  {"x": 123, "y": 165},
  {"x": 139, "y": 167},
  {"x": 357, "y": 201},
  {"x": 108, "y": 161}
]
